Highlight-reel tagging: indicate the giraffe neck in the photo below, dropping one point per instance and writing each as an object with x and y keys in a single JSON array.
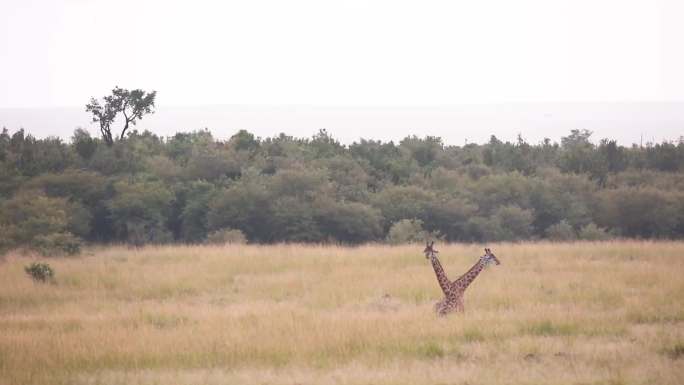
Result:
[
  {"x": 466, "y": 279},
  {"x": 442, "y": 279}
]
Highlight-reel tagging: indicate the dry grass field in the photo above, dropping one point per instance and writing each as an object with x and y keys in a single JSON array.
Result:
[{"x": 579, "y": 313}]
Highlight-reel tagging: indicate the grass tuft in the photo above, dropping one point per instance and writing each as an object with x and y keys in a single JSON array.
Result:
[
  {"x": 473, "y": 335},
  {"x": 431, "y": 350},
  {"x": 548, "y": 328},
  {"x": 675, "y": 351}
]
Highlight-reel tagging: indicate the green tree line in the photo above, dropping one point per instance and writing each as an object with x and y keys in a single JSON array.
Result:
[{"x": 192, "y": 187}]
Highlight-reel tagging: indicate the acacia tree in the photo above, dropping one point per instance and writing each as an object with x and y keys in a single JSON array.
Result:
[{"x": 131, "y": 104}]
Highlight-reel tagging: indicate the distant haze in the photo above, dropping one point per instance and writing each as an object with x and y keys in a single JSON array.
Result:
[
  {"x": 626, "y": 122},
  {"x": 462, "y": 70},
  {"x": 56, "y": 53}
]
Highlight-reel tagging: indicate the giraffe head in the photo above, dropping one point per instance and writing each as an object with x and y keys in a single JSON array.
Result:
[
  {"x": 429, "y": 251},
  {"x": 489, "y": 257}
]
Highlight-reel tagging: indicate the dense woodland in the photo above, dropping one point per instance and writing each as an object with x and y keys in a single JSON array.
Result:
[{"x": 193, "y": 188}]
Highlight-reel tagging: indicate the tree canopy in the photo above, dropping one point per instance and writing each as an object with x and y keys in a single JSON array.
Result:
[
  {"x": 131, "y": 104},
  {"x": 149, "y": 189}
]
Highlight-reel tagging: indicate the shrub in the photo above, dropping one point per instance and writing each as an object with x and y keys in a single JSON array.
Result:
[
  {"x": 246, "y": 205},
  {"x": 348, "y": 222},
  {"x": 515, "y": 221},
  {"x": 407, "y": 231},
  {"x": 56, "y": 244},
  {"x": 293, "y": 221},
  {"x": 509, "y": 223},
  {"x": 40, "y": 272},
  {"x": 591, "y": 232},
  {"x": 640, "y": 212},
  {"x": 401, "y": 202},
  {"x": 561, "y": 231},
  {"x": 675, "y": 351},
  {"x": 139, "y": 211},
  {"x": 31, "y": 214},
  {"x": 227, "y": 236}
]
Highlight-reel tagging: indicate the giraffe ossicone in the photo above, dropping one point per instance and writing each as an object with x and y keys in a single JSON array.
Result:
[{"x": 453, "y": 291}]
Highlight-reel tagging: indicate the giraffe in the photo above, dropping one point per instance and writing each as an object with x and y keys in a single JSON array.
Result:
[{"x": 453, "y": 291}]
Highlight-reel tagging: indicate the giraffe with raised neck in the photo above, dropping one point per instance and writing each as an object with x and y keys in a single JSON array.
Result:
[{"x": 453, "y": 291}]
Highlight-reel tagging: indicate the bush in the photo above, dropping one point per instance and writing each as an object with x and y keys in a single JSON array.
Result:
[
  {"x": 227, "y": 236},
  {"x": 57, "y": 244},
  {"x": 407, "y": 231},
  {"x": 348, "y": 222},
  {"x": 561, "y": 231},
  {"x": 293, "y": 221},
  {"x": 675, "y": 351},
  {"x": 515, "y": 222},
  {"x": 509, "y": 223},
  {"x": 246, "y": 205},
  {"x": 139, "y": 211},
  {"x": 40, "y": 272},
  {"x": 31, "y": 214},
  {"x": 640, "y": 212},
  {"x": 591, "y": 232}
]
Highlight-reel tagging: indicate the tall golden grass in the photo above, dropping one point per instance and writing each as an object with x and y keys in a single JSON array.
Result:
[{"x": 551, "y": 313}]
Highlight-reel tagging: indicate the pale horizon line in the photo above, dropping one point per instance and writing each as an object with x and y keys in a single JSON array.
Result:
[{"x": 389, "y": 106}]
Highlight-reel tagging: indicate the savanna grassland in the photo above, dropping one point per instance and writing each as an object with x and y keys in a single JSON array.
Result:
[{"x": 551, "y": 313}]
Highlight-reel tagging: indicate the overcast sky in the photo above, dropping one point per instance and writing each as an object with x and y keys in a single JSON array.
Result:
[{"x": 342, "y": 53}]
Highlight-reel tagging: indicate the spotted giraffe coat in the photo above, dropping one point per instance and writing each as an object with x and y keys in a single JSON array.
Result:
[{"x": 453, "y": 291}]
